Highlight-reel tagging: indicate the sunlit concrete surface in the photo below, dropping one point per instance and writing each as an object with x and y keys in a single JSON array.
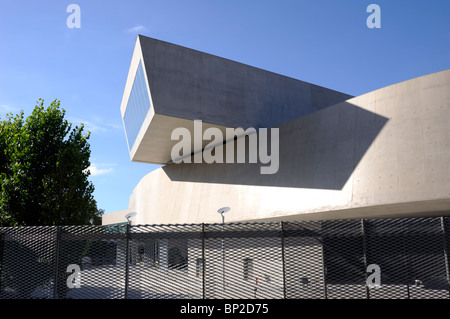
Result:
[{"x": 382, "y": 154}]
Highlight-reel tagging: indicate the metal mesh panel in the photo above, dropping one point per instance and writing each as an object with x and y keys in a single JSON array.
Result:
[
  {"x": 411, "y": 254},
  {"x": 304, "y": 260},
  {"x": 27, "y": 263},
  {"x": 162, "y": 262},
  {"x": 345, "y": 269},
  {"x": 398, "y": 258},
  {"x": 95, "y": 257},
  {"x": 387, "y": 247},
  {"x": 243, "y": 261}
]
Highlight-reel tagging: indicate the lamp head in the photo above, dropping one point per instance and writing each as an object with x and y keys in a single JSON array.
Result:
[
  {"x": 129, "y": 215},
  {"x": 223, "y": 210}
]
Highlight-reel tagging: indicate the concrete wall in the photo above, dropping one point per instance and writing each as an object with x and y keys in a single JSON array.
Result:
[
  {"x": 118, "y": 217},
  {"x": 385, "y": 153}
]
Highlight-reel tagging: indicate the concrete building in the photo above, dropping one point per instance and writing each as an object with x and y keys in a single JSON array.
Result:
[
  {"x": 385, "y": 153},
  {"x": 303, "y": 152}
]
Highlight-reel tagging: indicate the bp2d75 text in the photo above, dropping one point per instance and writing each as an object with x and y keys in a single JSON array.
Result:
[{"x": 246, "y": 308}]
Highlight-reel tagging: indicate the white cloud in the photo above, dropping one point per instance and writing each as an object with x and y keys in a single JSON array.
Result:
[
  {"x": 136, "y": 29},
  {"x": 92, "y": 127},
  {"x": 100, "y": 169}
]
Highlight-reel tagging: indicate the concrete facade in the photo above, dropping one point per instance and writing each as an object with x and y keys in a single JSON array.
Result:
[
  {"x": 382, "y": 154},
  {"x": 184, "y": 85}
]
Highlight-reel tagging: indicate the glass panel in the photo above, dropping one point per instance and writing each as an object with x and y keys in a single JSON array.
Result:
[{"x": 137, "y": 107}]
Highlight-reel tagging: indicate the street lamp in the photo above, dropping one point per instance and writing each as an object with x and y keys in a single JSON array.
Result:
[
  {"x": 129, "y": 215},
  {"x": 221, "y": 211},
  {"x": 127, "y": 252}
]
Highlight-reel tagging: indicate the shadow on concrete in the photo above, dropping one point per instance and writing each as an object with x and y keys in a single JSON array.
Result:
[{"x": 317, "y": 151}]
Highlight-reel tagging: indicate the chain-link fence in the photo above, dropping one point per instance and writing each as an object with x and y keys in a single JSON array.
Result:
[{"x": 372, "y": 258}]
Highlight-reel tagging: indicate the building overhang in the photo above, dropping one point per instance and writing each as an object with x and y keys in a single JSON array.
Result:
[{"x": 170, "y": 86}]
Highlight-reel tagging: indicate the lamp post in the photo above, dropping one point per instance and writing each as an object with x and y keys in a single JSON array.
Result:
[
  {"x": 128, "y": 255},
  {"x": 221, "y": 211},
  {"x": 129, "y": 215}
]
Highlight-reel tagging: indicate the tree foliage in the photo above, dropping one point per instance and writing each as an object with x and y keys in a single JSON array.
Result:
[{"x": 44, "y": 170}]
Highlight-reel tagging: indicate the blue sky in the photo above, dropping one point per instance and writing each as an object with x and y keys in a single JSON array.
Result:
[{"x": 325, "y": 42}]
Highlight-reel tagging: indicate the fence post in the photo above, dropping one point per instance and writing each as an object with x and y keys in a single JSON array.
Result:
[
  {"x": 444, "y": 240},
  {"x": 324, "y": 266},
  {"x": 55, "y": 278},
  {"x": 364, "y": 244},
  {"x": 203, "y": 262},
  {"x": 283, "y": 258},
  {"x": 127, "y": 257}
]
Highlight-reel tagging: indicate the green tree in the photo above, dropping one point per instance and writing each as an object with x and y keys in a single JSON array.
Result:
[{"x": 44, "y": 170}]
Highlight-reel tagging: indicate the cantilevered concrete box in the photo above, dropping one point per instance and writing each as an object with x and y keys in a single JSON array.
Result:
[{"x": 183, "y": 85}]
